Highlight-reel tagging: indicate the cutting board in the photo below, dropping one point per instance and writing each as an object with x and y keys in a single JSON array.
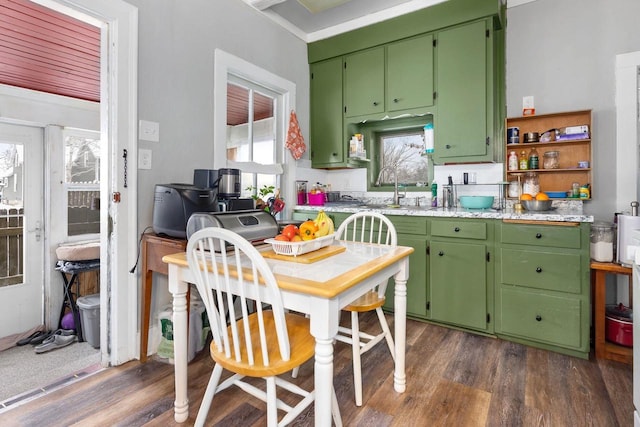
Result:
[{"x": 309, "y": 257}]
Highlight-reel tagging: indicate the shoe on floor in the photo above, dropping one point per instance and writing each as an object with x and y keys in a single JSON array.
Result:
[
  {"x": 40, "y": 338},
  {"x": 55, "y": 341},
  {"x": 27, "y": 340}
]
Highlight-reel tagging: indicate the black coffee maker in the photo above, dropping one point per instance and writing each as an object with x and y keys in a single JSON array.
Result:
[{"x": 228, "y": 186}]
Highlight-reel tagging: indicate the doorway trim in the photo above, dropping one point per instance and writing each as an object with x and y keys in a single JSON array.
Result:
[
  {"x": 627, "y": 99},
  {"x": 118, "y": 127}
]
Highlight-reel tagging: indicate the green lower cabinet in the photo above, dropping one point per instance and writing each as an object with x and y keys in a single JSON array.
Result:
[
  {"x": 417, "y": 283},
  {"x": 543, "y": 286},
  {"x": 551, "y": 319},
  {"x": 412, "y": 231},
  {"x": 458, "y": 284}
]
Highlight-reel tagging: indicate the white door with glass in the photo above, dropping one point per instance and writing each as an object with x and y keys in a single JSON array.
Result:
[{"x": 21, "y": 228}]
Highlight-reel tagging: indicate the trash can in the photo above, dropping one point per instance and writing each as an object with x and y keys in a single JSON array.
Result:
[{"x": 89, "y": 306}]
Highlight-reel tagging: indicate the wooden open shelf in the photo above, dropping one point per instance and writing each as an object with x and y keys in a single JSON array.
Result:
[
  {"x": 605, "y": 349},
  {"x": 569, "y": 152}
]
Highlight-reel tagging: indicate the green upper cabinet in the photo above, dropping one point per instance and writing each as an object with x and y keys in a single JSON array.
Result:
[
  {"x": 464, "y": 86},
  {"x": 364, "y": 83},
  {"x": 446, "y": 60},
  {"x": 328, "y": 148},
  {"x": 410, "y": 73}
]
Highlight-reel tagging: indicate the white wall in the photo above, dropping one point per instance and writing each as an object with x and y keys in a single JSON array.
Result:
[
  {"x": 563, "y": 52},
  {"x": 176, "y": 52}
]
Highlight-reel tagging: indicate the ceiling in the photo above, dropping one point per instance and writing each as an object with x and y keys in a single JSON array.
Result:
[{"x": 313, "y": 20}]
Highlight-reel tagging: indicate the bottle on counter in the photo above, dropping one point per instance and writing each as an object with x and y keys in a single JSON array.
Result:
[
  {"x": 513, "y": 161},
  {"x": 434, "y": 194},
  {"x": 524, "y": 161},
  {"x": 533, "y": 159}
]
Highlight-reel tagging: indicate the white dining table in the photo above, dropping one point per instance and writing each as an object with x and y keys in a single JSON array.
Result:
[{"x": 320, "y": 289}]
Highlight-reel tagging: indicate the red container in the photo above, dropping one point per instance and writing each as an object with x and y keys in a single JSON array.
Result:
[
  {"x": 316, "y": 199},
  {"x": 619, "y": 331}
]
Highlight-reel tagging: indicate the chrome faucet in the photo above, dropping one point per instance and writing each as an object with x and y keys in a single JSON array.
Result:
[{"x": 394, "y": 169}]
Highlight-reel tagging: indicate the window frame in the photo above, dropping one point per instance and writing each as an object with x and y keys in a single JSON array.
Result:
[
  {"x": 67, "y": 187},
  {"x": 226, "y": 65},
  {"x": 372, "y": 131}
]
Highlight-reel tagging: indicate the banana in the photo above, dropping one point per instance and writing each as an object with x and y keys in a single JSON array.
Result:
[{"x": 324, "y": 224}]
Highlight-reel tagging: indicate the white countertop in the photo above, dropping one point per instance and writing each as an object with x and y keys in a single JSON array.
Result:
[{"x": 555, "y": 214}]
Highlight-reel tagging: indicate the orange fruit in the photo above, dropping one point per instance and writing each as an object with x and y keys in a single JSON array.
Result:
[
  {"x": 281, "y": 237},
  {"x": 526, "y": 196},
  {"x": 542, "y": 196},
  {"x": 296, "y": 238}
]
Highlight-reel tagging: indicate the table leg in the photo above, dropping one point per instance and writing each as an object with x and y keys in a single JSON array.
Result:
[
  {"x": 323, "y": 379},
  {"x": 324, "y": 316},
  {"x": 400, "y": 325},
  {"x": 179, "y": 291}
]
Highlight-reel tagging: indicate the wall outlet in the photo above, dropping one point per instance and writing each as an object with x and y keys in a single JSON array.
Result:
[
  {"x": 144, "y": 159},
  {"x": 149, "y": 131}
]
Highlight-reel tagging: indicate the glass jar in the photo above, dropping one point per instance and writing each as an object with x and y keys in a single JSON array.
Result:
[
  {"x": 550, "y": 160},
  {"x": 602, "y": 241},
  {"x": 514, "y": 189},
  {"x": 531, "y": 184},
  {"x": 301, "y": 189}
]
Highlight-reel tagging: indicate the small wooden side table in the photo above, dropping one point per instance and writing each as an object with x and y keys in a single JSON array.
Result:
[
  {"x": 604, "y": 348},
  {"x": 154, "y": 247}
]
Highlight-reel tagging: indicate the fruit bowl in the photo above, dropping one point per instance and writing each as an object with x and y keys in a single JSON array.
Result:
[
  {"x": 537, "y": 205},
  {"x": 299, "y": 248}
]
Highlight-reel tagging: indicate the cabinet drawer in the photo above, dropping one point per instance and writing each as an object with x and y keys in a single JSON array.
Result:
[
  {"x": 409, "y": 225},
  {"x": 542, "y": 235},
  {"x": 460, "y": 229},
  {"x": 544, "y": 318},
  {"x": 555, "y": 271}
]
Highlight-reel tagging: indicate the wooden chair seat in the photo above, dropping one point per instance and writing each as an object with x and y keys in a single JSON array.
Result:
[{"x": 300, "y": 340}]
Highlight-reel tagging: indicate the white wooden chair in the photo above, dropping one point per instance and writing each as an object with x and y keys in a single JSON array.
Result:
[
  {"x": 264, "y": 343},
  {"x": 370, "y": 227}
]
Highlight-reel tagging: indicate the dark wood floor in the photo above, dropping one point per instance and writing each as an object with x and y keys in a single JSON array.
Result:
[{"x": 453, "y": 379}]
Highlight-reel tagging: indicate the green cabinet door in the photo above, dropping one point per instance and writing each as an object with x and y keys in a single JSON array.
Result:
[
  {"x": 458, "y": 283},
  {"x": 328, "y": 147},
  {"x": 461, "y": 74},
  {"x": 417, "y": 284},
  {"x": 410, "y": 73},
  {"x": 364, "y": 82}
]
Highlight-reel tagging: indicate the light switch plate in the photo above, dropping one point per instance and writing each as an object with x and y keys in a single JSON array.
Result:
[
  {"x": 149, "y": 131},
  {"x": 144, "y": 158}
]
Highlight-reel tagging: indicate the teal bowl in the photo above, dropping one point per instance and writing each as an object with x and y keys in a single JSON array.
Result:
[{"x": 476, "y": 202}]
